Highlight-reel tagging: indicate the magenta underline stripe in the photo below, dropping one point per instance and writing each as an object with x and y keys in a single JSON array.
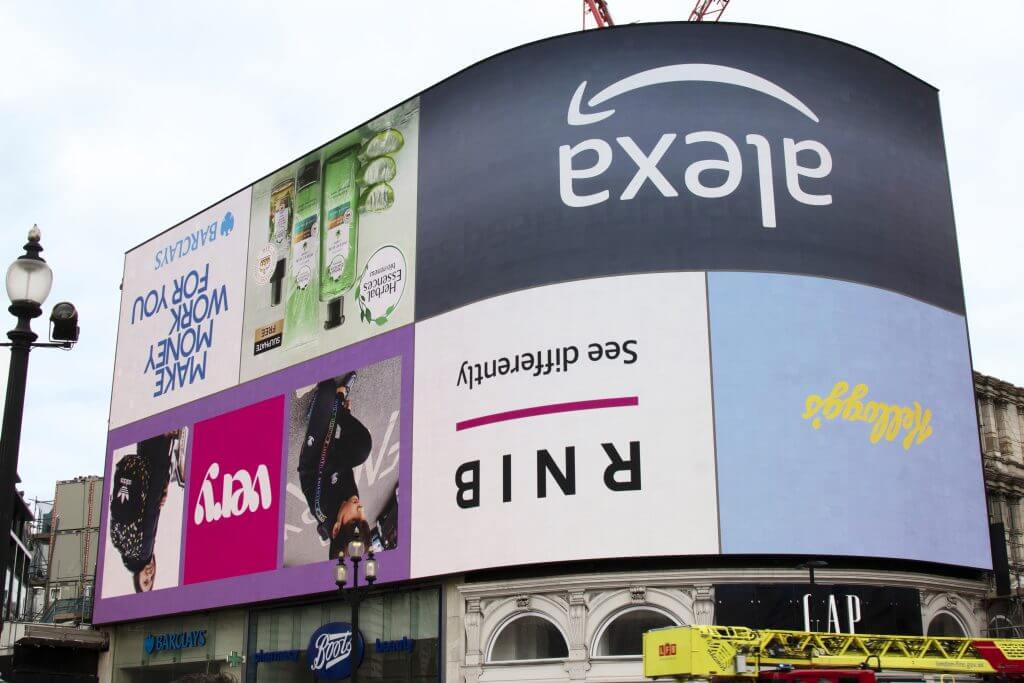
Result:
[{"x": 550, "y": 409}]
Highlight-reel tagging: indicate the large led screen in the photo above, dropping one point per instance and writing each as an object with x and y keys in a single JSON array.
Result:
[{"x": 659, "y": 290}]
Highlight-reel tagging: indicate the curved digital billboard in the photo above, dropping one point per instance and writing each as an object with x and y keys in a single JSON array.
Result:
[{"x": 661, "y": 290}]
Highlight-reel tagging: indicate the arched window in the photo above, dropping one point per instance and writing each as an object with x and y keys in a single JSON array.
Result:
[
  {"x": 622, "y": 636},
  {"x": 528, "y": 637},
  {"x": 943, "y": 624}
]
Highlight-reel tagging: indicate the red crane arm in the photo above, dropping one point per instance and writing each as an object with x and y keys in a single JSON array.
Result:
[
  {"x": 708, "y": 10},
  {"x": 599, "y": 9}
]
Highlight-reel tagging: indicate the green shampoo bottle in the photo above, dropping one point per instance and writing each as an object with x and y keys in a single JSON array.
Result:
[
  {"x": 282, "y": 197},
  {"x": 339, "y": 240},
  {"x": 303, "y": 302}
]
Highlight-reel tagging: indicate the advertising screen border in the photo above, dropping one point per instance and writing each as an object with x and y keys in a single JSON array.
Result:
[{"x": 266, "y": 585}]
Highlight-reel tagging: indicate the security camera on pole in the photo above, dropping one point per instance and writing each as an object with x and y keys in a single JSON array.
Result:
[{"x": 29, "y": 279}]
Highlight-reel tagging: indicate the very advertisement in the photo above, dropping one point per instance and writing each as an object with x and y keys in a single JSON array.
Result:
[{"x": 661, "y": 273}]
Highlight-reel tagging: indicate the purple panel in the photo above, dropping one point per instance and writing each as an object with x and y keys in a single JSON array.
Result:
[{"x": 307, "y": 579}]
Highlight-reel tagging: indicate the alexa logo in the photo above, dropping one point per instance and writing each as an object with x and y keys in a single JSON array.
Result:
[
  {"x": 581, "y": 165},
  {"x": 333, "y": 652}
]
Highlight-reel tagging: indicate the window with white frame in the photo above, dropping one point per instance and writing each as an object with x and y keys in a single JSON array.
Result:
[
  {"x": 623, "y": 634},
  {"x": 528, "y": 637}
]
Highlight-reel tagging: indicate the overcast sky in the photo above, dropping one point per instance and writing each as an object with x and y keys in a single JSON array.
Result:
[{"x": 120, "y": 119}]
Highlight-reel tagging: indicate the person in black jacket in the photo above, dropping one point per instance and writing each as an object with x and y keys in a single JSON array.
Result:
[
  {"x": 335, "y": 442},
  {"x": 138, "y": 493}
]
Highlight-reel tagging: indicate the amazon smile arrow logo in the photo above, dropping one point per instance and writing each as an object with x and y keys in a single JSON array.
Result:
[
  {"x": 678, "y": 73},
  {"x": 580, "y": 185}
]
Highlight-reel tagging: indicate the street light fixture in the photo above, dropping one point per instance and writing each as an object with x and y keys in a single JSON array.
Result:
[
  {"x": 29, "y": 280},
  {"x": 810, "y": 566},
  {"x": 354, "y": 593}
]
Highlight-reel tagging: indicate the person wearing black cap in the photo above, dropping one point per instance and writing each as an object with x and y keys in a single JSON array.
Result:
[
  {"x": 138, "y": 494},
  {"x": 335, "y": 443}
]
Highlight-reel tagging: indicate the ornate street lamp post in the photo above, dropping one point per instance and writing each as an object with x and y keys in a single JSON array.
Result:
[
  {"x": 29, "y": 279},
  {"x": 354, "y": 593}
]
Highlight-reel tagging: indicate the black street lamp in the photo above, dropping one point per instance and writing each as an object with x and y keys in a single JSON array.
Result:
[
  {"x": 354, "y": 593},
  {"x": 29, "y": 279}
]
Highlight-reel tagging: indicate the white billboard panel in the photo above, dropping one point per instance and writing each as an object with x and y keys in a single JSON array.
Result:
[
  {"x": 181, "y": 313},
  {"x": 565, "y": 422}
]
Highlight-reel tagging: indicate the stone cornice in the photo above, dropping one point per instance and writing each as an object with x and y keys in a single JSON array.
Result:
[
  {"x": 991, "y": 387},
  {"x": 686, "y": 577}
]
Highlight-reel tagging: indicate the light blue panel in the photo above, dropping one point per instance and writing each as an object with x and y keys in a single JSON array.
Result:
[{"x": 786, "y": 487}]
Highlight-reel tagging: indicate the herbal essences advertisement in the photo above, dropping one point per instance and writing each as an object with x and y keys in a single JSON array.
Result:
[{"x": 332, "y": 246}]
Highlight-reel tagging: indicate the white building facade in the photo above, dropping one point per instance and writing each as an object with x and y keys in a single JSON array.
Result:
[{"x": 586, "y": 627}]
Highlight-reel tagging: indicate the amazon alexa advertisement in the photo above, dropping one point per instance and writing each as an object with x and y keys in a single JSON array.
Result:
[{"x": 610, "y": 293}]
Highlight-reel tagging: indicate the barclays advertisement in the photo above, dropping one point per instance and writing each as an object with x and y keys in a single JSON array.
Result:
[
  {"x": 692, "y": 272},
  {"x": 181, "y": 314}
]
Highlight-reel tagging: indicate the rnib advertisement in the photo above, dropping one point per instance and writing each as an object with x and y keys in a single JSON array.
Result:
[{"x": 593, "y": 416}]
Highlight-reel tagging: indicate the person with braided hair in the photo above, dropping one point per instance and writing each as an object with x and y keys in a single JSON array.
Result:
[
  {"x": 335, "y": 443},
  {"x": 138, "y": 494}
]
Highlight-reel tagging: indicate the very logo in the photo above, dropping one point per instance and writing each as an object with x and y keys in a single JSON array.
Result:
[
  {"x": 816, "y": 164},
  {"x": 334, "y": 651},
  {"x": 239, "y": 493}
]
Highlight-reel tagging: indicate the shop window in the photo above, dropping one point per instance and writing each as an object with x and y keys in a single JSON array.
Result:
[
  {"x": 526, "y": 638},
  {"x": 623, "y": 635},
  {"x": 400, "y": 630},
  {"x": 945, "y": 625}
]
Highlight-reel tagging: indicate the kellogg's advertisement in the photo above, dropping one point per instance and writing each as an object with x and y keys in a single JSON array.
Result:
[{"x": 858, "y": 403}]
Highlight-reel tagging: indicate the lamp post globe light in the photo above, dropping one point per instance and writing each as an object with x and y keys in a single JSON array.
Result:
[
  {"x": 29, "y": 279},
  {"x": 354, "y": 593}
]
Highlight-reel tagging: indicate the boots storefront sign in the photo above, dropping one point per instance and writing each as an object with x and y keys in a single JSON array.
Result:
[{"x": 334, "y": 652}]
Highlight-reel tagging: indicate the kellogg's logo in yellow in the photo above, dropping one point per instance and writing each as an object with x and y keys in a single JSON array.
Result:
[{"x": 887, "y": 420}]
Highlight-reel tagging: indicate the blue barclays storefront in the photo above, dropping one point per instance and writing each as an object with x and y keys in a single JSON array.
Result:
[
  {"x": 313, "y": 640},
  {"x": 166, "y": 650}
]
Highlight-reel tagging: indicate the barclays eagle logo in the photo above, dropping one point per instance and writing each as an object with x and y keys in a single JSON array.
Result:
[{"x": 227, "y": 224}]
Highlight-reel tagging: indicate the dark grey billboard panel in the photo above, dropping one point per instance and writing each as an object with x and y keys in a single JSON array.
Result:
[{"x": 682, "y": 147}]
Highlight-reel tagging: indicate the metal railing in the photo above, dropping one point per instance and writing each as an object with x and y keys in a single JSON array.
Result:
[{"x": 78, "y": 610}]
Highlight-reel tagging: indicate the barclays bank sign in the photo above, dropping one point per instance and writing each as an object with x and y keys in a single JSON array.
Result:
[{"x": 174, "y": 641}]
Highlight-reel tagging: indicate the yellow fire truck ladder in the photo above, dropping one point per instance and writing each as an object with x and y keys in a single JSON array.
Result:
[{"x": 738, "y": 652}]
